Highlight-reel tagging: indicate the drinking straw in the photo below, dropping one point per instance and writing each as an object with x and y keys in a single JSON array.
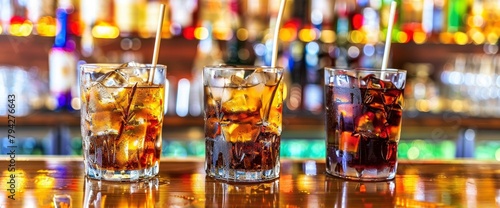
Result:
[
  {"x": 274, "y": 57},
  {"x": 276, "y": 33},
  {"x": 387, "y": 48},
  {"x": 157, "y": 42}
]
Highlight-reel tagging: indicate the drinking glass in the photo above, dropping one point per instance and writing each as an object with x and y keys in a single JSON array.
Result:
[
  {"x": 121, "y": 120},
  {"x": 364, "y": 108},
  {"x": 243, "y": 114}
]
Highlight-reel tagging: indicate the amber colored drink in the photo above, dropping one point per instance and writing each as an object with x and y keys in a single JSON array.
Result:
[
  {"x": 243, "y": 126},
  {"x": 121, "y": 126}
]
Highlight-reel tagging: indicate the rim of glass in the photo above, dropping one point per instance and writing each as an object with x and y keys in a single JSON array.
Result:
[
  {"x": 94, "y": 66},
  {"x": 365, "y": 69},
  {"x": 241, "y": 67}
]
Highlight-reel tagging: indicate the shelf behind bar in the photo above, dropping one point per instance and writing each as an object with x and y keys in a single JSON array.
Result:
[{"x": 294, "y": 122}]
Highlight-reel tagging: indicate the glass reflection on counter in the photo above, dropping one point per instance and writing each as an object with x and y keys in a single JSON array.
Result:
[
  {"x": 116, "y": 194},
  {"x": 342, "y": 193},
  {"x": 223, "y": 194},
  {"x": 13, "y": 180},
  {"x": 62, "y": 201}
]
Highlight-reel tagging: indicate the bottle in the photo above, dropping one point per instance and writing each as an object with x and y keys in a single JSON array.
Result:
[
  {"x": 62, "y": 64},
  {"x": 237, "y": 52},
  {"x": 457, "y": 11}
]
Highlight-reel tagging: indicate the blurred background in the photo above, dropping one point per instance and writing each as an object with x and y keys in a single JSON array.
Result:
[{"x": 449, "y": 48}]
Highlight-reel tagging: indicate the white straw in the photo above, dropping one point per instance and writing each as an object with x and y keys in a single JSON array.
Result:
[
  {"x": 276, "y": 33},
  {"x": 157, "y": 42},
  {"x": 387, "y": 49}
]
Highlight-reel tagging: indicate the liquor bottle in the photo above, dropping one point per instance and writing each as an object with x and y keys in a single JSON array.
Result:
[
  {"x": 237, "y": 52},
  {"x": 343, "y": 9},
  {"x": 457, "y": 11},
  {"x": 184, "y": 12},
  {"x": 62, "y": 64},
  {"x": 93, "y": 14},
  {"x": 207, "y": 54},
  {"x": 296, "y": 63},
  {"x": 6, "y": 11},
  {"x": 128, "y": 15}
]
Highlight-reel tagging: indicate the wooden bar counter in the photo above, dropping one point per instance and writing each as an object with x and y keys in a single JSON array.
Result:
[{"x": 59, "y": 182}]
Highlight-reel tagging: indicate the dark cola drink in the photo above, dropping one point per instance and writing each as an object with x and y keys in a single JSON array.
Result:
[{"x": 363, "y": 124}]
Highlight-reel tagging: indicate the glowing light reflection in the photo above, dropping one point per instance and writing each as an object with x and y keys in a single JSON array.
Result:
[
  {"x": 22, "y": 29},
  {"x": 106, "y": 31}
]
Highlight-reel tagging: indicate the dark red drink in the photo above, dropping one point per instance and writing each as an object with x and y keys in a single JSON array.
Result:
[{"x": 363, "y": 128}]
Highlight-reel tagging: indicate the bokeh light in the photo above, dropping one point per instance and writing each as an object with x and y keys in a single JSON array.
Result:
[
  {"x": 242, "y": 34},
  {"x": 20, "y": 27},
  {"x": 201, "y": 33},
  {"x": 461, "y": 38},
  {"x": 402, "y": 37},
  {"x": 44, "y": 182},
  {"x": 419, "y": 37},
  {"x": 221, "y": 31},
  {"x": 188, "y": 33},
  {"x": 105, "y": 30},
  {"x": 492, "y": 38},
  {"x": 287, "y": 34},
  {"x": 357, "y": 36},
  {"x": 446, "y": 38},
  {"x": 328, "y": 36},
  {"x": 308, "y": 34},
  {"x": 478, "y": 38},
  {"x": 46, "y": 26}
]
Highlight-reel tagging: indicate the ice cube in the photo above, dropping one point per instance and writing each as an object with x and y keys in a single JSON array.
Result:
[
  {"x": 131, "y": 64},
  {"x": 392, "y": 96},
  {"x": 237, "y": 81},
  {"x": 374, "y": 99},
  {"x": 365, "y": 122},
  {"x": 236, "y": 103},
  {"x": 235, "y": 132},
  {"x": 255, "y": 78},
  {"x": 121, "y": 153},
  {"x": 372, "y": 82},
  {"x": 102, "y": 110},
  {"x": 105, "y": 122},
  {"x": 231, "y": 78},
  {"x": 214, "y": 93},
  {"x": 373, "y": 122},
  {"x": 242, "y": 101},
  {"x": 344, "y": 80},
  {"x": 114, "y": 78},
  {"x": 136, "y": 72},
  {"x": 100, "y": 99}
]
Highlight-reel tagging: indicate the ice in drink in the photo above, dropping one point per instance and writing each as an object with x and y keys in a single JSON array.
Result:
[
  {"x": 243, "y": 123},
  {"x": 363, "y": 125},
  {"x": 122, "y": 118}
]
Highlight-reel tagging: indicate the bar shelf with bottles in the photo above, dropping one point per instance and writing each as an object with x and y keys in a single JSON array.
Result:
[
  {"x": 316, "y": 33},
  {"x": 439, "y": 54}
]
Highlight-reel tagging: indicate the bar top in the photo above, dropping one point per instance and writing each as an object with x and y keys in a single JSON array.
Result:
[{"x": 59, "y": 182}]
